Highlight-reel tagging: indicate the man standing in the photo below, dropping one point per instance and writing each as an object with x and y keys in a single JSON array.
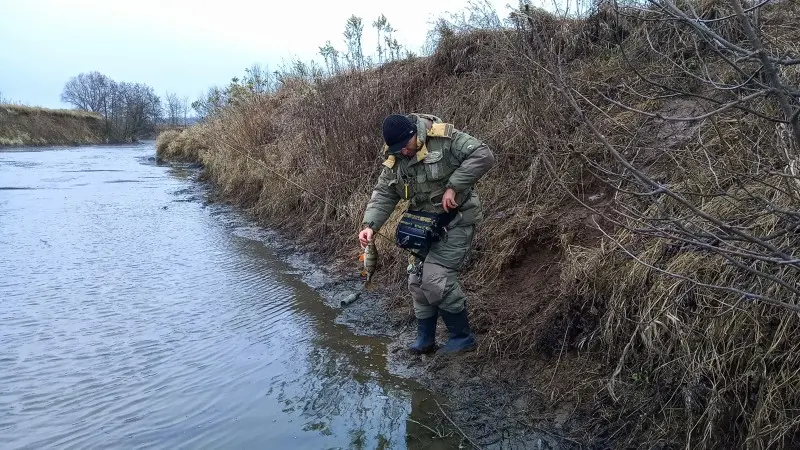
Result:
[{"x": 434, "y": 166}]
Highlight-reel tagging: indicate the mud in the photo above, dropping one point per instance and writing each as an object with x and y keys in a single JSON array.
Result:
[{"x": 493, "y": 404}]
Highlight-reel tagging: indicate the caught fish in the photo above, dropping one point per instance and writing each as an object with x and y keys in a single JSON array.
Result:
[{"x": 370, "y": 259}]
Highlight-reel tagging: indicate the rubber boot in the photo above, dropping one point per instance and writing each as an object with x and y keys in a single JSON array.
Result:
[
  {"x": 461, "y": 338},
  {"x": 426, "y": 336}
]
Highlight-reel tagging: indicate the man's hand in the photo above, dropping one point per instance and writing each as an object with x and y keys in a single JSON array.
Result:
[
  {"x": 365, "y": 236},
  {"x": 449, "y": 200}
]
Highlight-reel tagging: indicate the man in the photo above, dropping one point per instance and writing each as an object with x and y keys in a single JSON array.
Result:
[{"x": 434, "y": 166}]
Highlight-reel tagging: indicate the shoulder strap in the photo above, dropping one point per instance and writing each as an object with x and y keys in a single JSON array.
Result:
[
  {"x": 444, "y": 130},
  {"x": 389, "y": 161}
]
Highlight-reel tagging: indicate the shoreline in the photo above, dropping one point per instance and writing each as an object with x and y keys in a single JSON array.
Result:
[{"x": 491, "y": 399}]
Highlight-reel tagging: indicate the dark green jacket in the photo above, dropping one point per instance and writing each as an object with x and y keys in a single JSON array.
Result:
[{"x": 449, "y": 159}]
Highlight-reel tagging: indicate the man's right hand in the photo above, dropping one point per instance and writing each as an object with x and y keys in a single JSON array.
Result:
[{"x": 365, "y": 236}]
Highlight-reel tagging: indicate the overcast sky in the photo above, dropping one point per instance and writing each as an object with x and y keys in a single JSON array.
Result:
[{"x": 183, "y": 46}]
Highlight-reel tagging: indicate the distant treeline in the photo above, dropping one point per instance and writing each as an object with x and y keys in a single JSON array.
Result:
[{"x": 130, "y": 111}]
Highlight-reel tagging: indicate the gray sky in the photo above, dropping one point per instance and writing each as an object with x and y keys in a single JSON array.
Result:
[{"x": 183, "y": 46}]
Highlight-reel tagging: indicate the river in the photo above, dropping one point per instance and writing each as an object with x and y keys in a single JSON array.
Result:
[{"x": 133, "y": 314}]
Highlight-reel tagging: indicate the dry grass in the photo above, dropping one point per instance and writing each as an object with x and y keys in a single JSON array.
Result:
[
  {"x": 186, "y": 145},
  {"x": 681, "y": 365},
  {"x": 26, "y": 125},
  {"x": 31, "y": 110}
]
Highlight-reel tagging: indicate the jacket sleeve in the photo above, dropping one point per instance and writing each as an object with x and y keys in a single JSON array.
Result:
[
  {"x": 474, "y": 157},
  {"x": 383, "y": 201}
]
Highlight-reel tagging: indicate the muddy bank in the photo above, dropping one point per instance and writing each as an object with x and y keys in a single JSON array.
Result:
[
  {"x": 29, "y": 126},
  {"x": 493, "y": 404}
]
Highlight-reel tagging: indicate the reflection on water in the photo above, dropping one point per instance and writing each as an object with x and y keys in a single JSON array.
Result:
[{"x": 135, "y": 316}]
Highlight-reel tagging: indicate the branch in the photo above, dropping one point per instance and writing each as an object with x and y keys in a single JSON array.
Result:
[
  {"x": 696, "y": 23},
  {"x": 745, "y": 295},
  {"x": 703, "y": 97},
  {"x": 725, "y": 107},
  {"x": 644, "y": 178},
  {"x": 769, "y": 68}
]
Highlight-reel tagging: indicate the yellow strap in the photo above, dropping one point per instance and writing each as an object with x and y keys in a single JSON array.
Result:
[
  {"x": 441, "y": 130},
  {"x": 422, "y": 153},
  {"x": 390, "y": 161}
]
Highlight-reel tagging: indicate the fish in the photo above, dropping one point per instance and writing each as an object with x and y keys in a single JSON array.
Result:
[{"x": 370, "y": 259}]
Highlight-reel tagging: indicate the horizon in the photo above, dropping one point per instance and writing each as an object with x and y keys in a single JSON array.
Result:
[{"x": 164, "y": 47}]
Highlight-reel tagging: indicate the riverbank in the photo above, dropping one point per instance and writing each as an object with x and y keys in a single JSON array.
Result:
[
  {"x": 612, "y": 292},
  {"x": 488, "y": 406},
  {"x": 29, "y": 126}
]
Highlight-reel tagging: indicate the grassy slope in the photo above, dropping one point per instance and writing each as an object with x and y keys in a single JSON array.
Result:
[
  {"x": 545, "y": 282},
  {"x": 24, "y": 125}
]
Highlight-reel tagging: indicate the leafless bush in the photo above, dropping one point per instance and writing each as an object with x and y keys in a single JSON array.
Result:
[
  {"x": 661, "y": 250},
  {"x": 697, "y": 147}
]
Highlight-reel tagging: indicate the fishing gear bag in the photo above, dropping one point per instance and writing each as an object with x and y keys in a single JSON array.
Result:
[{"x": 418, "y": 230}]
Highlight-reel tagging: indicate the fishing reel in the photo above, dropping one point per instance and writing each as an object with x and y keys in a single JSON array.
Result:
[{"x": 414, "y": 266}]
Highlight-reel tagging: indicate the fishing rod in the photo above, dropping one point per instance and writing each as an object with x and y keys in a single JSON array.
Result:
[
  {"x": 326, "y": 202},
  {"x": 302, "y": 188}
]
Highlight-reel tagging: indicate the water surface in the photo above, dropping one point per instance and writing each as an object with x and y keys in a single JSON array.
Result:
[{"x": 134, "y": 315}]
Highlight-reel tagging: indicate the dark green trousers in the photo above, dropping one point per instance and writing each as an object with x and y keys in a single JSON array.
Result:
[{"x": 438, "y": 285}]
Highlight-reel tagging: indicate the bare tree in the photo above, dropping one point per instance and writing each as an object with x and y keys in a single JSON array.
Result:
[
  {"x": 731, "y": 80},
  {"x": 210, "y": 103},
  {"x": 257, "y": 79},
  {"x": 185, "y": 110},
  {"x": 380, "y": 24},
  {"x": 173, "y": 108},
  {"x": 87, "y": 91}
]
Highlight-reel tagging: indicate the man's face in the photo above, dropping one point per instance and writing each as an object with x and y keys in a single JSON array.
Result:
[{"x": 410, "y": 149}]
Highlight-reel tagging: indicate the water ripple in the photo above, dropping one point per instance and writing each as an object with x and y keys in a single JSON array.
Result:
[{"x": 129, "y": 325}]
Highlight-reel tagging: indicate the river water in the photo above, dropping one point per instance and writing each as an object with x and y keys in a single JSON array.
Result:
[{"x": 135, "y": 315}]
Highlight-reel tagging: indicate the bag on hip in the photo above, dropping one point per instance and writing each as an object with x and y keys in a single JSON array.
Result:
[{"x": 418, "y": 230}]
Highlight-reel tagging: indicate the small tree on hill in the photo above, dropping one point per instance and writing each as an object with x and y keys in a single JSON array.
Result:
[
  {"x": 331, "y": 57},
  {"x": 353, "y": 33}
]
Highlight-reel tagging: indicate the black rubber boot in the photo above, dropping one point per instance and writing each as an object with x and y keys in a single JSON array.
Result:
[
  {"x": 426, "y": 336},
  {"x": 461, "y": 338}
]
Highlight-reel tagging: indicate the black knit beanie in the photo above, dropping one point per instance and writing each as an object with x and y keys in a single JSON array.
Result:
[{"x": 397, "y": 131}]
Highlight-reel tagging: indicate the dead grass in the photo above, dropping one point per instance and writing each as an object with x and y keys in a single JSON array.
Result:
[
  {"x": 30, "y": 110},
  {"x": 681, "y": 365},
  {"x": 186, "y": 145},
  {"x": 26, "y": 125}
]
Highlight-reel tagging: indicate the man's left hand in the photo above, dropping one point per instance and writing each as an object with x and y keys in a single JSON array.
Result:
[{"x": 449, "y": 200}]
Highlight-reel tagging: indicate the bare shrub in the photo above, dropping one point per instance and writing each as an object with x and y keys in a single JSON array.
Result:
[{"x": 627, "y": 243}]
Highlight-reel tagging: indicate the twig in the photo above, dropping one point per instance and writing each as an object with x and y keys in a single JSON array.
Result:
[
  {"x": 744, "y": 294},
  {"x": 724, "y": 107},
  {"x": 457, "y": 427},
  {"x": 436, "y": 433},
  {"x": 555, "y": 371}
]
